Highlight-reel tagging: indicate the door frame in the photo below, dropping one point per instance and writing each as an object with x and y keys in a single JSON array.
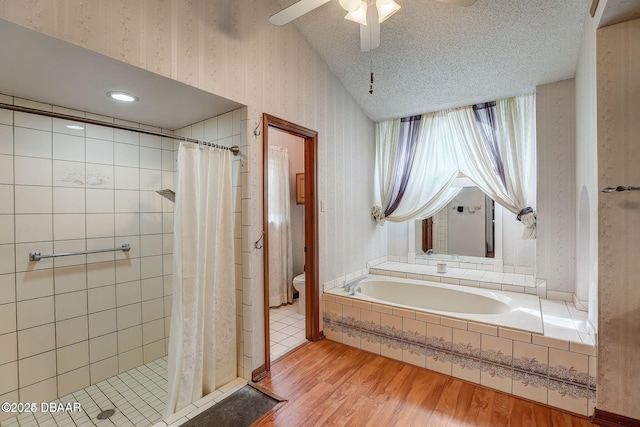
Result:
[{"x": 312, "y": 289}]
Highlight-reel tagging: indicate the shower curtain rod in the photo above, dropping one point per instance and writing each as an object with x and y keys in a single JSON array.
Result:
[{"x": 234, "y": 149}]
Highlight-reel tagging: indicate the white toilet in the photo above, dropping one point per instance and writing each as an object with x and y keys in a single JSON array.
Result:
[{"x": 299, "y": 284}]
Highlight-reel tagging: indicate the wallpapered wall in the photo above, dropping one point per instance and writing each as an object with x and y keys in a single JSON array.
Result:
[{"x": 230, "y": 49}]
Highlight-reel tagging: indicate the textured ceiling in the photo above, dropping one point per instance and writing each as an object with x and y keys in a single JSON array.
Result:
[{"x": 435, "y": 56}]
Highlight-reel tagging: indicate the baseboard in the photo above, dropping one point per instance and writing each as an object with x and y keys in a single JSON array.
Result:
[
  {"x": 259, "y": 374},
  {"x": 609, "y": 419}
]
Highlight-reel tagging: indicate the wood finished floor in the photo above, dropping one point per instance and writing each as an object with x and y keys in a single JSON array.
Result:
[{"x": 331, "y": 384}]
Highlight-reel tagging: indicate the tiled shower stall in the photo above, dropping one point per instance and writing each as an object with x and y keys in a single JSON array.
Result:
[{"x": 69, "y": 322}]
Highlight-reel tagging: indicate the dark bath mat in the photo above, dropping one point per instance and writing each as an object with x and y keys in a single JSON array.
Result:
[{"x": 240, "y": 409}]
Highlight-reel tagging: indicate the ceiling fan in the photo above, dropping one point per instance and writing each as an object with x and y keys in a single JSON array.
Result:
[{"x": 368, "y": 13}]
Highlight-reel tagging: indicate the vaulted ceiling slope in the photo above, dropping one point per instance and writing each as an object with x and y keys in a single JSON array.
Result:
[{"x": 435, "y": 55}]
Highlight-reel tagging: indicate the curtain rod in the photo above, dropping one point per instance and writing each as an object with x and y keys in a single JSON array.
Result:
[{"x": 234, "y": 149}]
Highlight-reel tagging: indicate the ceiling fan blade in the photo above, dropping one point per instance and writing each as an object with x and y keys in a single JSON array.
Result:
[
  {"x": 465, "y": 3},
  {"x": 370, "y": 33},
  {"x": 295, "y": 11}
]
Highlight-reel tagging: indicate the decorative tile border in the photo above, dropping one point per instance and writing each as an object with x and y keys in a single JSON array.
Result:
[{"x": 566, "y": 383}]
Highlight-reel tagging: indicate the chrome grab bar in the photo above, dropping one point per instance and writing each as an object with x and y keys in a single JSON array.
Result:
[
  {"x": 37, "y": 256},
  {"x": 619, "y": 188}
]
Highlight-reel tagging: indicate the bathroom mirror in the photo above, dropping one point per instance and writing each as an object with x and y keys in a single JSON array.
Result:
[{"x": 495, "y": 239}]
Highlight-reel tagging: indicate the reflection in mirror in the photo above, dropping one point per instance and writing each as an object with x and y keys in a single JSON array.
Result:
[{"x": 464, "y": 227}]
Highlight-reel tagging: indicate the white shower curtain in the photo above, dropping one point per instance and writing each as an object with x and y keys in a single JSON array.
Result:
[
  {"x": 279, "y": 222},
  {"x": 202, "y": 343}
]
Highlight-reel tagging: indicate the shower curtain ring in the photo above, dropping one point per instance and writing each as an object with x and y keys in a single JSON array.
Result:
[{"x": 257, "y": 244}]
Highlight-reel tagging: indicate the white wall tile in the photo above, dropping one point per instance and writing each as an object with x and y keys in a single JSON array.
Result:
[
  {"x": 9, "y": 375},
  {"x": 153, "y": 331},
  {"x": 151, "y": 158},
  {"x": 127, "y": 224},
  {"x": 6, "y": 169},
  {"x": 128, "y": 293},
  {"x": 126, "y": 155},
  {"x": 72, "y": 331},
  {"x": 24, "y": 171},
  {"x": 151, "y": 223},
  {"x": 6, "y": 195},
  {"x": 127, "y": 270},
  {"x": 150, "y": 140},
  {"x": 73, "y": 356},
  {"x": 6, "y": 229},
  {"x": 37, "y": 368},
  {"x": 61, "y": 125},
  {"x": 103, "y": 369},
  {"x": 77, "y": 245},
  {"x": 154, "y": 351},
  {"x": 8, "y": 348},
  {"x": 34, "y": 284},
  {"x": 99, "y": 132},
  {"x": 69, "y": 226},
  {"x": 68, "y": 147},
  {"x": 43, "y": 391},
  {"x": 68, "y": 200},
  {"x": 100, "y": 200},
  {"x": 151, "y": 288},
  {"x": 151, "y": 245},
  {"x": 36, "y": 340},
  {"x": 69, "y": 279},
  {"x": 126, "y": 136},
  {"x": 151, "y": 267},
  {"x": 127, "y": 178},
  {"x": 130, "y": 338},
  {"x": 68, "y": 174},
  {"x": 100, "y": 244},
  {"x": 32, "y": 143},
  {"x": 102, "y": 298},
  {"x": 33, "y": 228},
  {"x": 129, "y": 315},
  {"x": 150, "y": 201},
  {"x": 33, "y": 199},
  {"x": 150, "y": 180},
  {"x": 130, "y": 359},
  {"x": 35, "y": 312},
  {"x": 99, "y": 151},
  {"x": 6, "y": 139},
  {"x": 100, "y": 225},
  {"x": 99, "y": 176},
  {"x": 72, "y": 304},
  {"x": 225, "y": 125},
  {"x": 73, "y": 380},
  {"x": 101, "y": 274},
  {"x": 101, "y": 323},
  {"x": 33, "y": 121},
  {"x": 103, "y": 347},
  {"x": 152, "y": 310},
  {"x": 7, "y": 259},
  {"x": 127, "y": 201},
  {"x": 8, "y": 288}
]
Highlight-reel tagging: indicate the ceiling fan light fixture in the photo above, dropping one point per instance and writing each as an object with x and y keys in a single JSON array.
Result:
[
  {"x": 350, "y": 5},
  {"x": 359, "y": 15},
  {"x": 386, "y": 8}
]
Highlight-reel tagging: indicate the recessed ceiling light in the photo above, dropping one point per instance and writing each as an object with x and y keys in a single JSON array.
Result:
[
  {"x": 122, "y": 96},
  {"x": 75, "y": 127}
]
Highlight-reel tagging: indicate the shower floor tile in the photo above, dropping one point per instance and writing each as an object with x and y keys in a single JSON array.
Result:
[
  {"x": 137, "y": 395},
  {"x": 287, "y": 329}
]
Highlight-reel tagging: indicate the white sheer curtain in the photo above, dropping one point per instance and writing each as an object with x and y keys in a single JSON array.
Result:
[
  {"x": 434, "y": 169},
  {"x": 202, "y": 343},
  {"x": 515, "y": 135},
  {"x": 450, "y": 142},
  {"x": 279, "y": 223},
  {"x": 387, "y": 138}
]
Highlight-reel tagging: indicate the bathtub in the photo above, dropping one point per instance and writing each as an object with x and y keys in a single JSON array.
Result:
[{"x": 499, "y": 308}]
